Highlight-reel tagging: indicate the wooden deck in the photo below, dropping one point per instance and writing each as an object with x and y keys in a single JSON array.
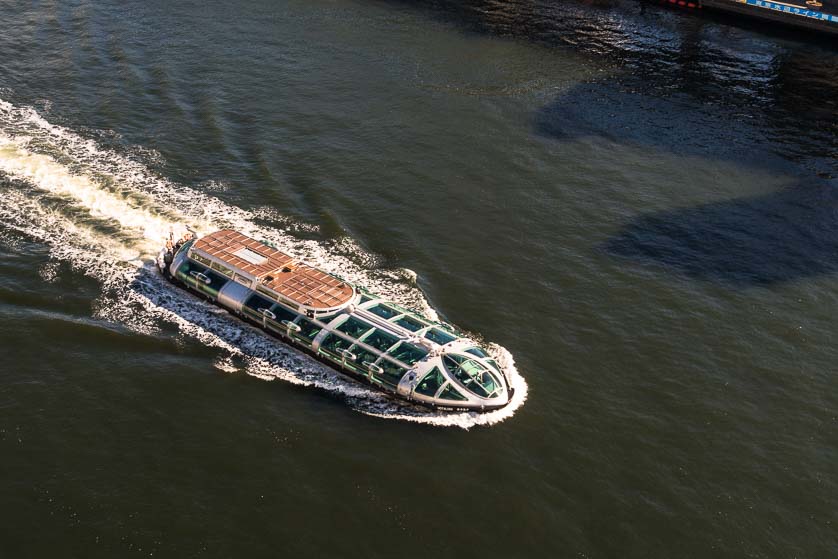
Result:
[{"x": 276, "y": 270}]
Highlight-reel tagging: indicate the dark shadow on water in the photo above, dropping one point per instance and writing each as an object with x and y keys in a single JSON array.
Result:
[
  {"x": 624, "y": 115},
  {"x": 763, "y": 240},
  {"x": 700, "y": 108},
  {"x": 676, "y": 124}
]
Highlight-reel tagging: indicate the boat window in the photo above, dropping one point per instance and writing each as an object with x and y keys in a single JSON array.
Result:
[
  {"x": 494, "y": 364},
  {"x": 362, "y": 356},
  {"x": 408, "y": 353},
  {"x": 189, "y": 266},
  {"x": 380, "y": 340},
  {"x": 222, "y": 269},
  {"x": 439, "y": 336},
  {"x": 474, "y": 376},
  {"x": 410, "y": 323},
  {"x": 257, "y": 303},
  {"x": 242, "y": 280},
  {"x": 390, "y": 373},
  {"x": 365, "y": 298},
  {"x": 430, "y": 383},
  {"x": 288, "y": 302},
  {"x": 332, "y": 343},
  {"x": 308, "y": 331},
  {"x": 354, "y": 327},
  {"x": 478, "y": 352},
  {"x": 200, "y": 278},
  {"x": 283, "y": 314},
  {"x": 216, "y": 282},
  {"x": 383, "y": 311},
  {"x": 198, "y": 258},
  {"x": 325, "y": 318},
  {"x": 266, "y": 292},
  {"x": 451, "y": 393}
]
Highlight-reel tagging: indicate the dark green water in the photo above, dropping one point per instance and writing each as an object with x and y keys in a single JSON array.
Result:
[{"x": 638, "y": 205}]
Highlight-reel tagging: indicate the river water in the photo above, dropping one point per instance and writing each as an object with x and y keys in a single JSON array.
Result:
[{"x": 636, "y": 206}]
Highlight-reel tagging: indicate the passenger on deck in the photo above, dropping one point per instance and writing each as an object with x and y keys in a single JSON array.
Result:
[
  {"x": 169, "y": 256},
  {"x": 185, "y": 239}
]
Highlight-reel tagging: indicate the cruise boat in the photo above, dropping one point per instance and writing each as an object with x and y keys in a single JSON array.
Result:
[{"x": 358, "y": 333}]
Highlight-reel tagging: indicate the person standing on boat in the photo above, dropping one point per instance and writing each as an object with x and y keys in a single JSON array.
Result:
[
  {"x": 168, "y": 256},
  {"x": 188, "y": 236}
]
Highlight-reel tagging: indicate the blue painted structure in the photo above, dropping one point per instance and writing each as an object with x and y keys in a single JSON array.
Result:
[{"x": 820, "y": 15}]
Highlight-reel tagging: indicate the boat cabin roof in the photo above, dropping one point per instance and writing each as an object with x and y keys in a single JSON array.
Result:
[{"x": 276, "y": 270}]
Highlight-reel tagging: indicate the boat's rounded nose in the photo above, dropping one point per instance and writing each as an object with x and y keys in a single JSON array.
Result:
[
  {"x": 508, "y": 391},
  {"x": 503, "y": 398},
  {"x": 485, "y": 382}
]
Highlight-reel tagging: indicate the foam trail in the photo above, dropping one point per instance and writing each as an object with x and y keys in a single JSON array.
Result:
[
  {"x": 49, "y": 176},
  {"x": 106, "y": 214}
]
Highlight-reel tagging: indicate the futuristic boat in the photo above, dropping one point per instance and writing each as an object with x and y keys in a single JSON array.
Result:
[{"x": 358, "y": 333}]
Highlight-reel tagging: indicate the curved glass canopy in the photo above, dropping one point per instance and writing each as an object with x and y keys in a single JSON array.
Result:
[{"x": 473, "y": 375}]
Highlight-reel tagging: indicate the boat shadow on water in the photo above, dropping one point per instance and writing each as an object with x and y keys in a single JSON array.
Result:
[
  {"x": 757, "y": 241},
  {"x": 629, "y": 113}
]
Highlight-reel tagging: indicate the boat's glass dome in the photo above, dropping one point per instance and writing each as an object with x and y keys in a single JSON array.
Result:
[{"x": 473, "y": 375}]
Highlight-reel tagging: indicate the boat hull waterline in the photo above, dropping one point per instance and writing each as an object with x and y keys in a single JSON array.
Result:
[{"x": 358, "y": 333}]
